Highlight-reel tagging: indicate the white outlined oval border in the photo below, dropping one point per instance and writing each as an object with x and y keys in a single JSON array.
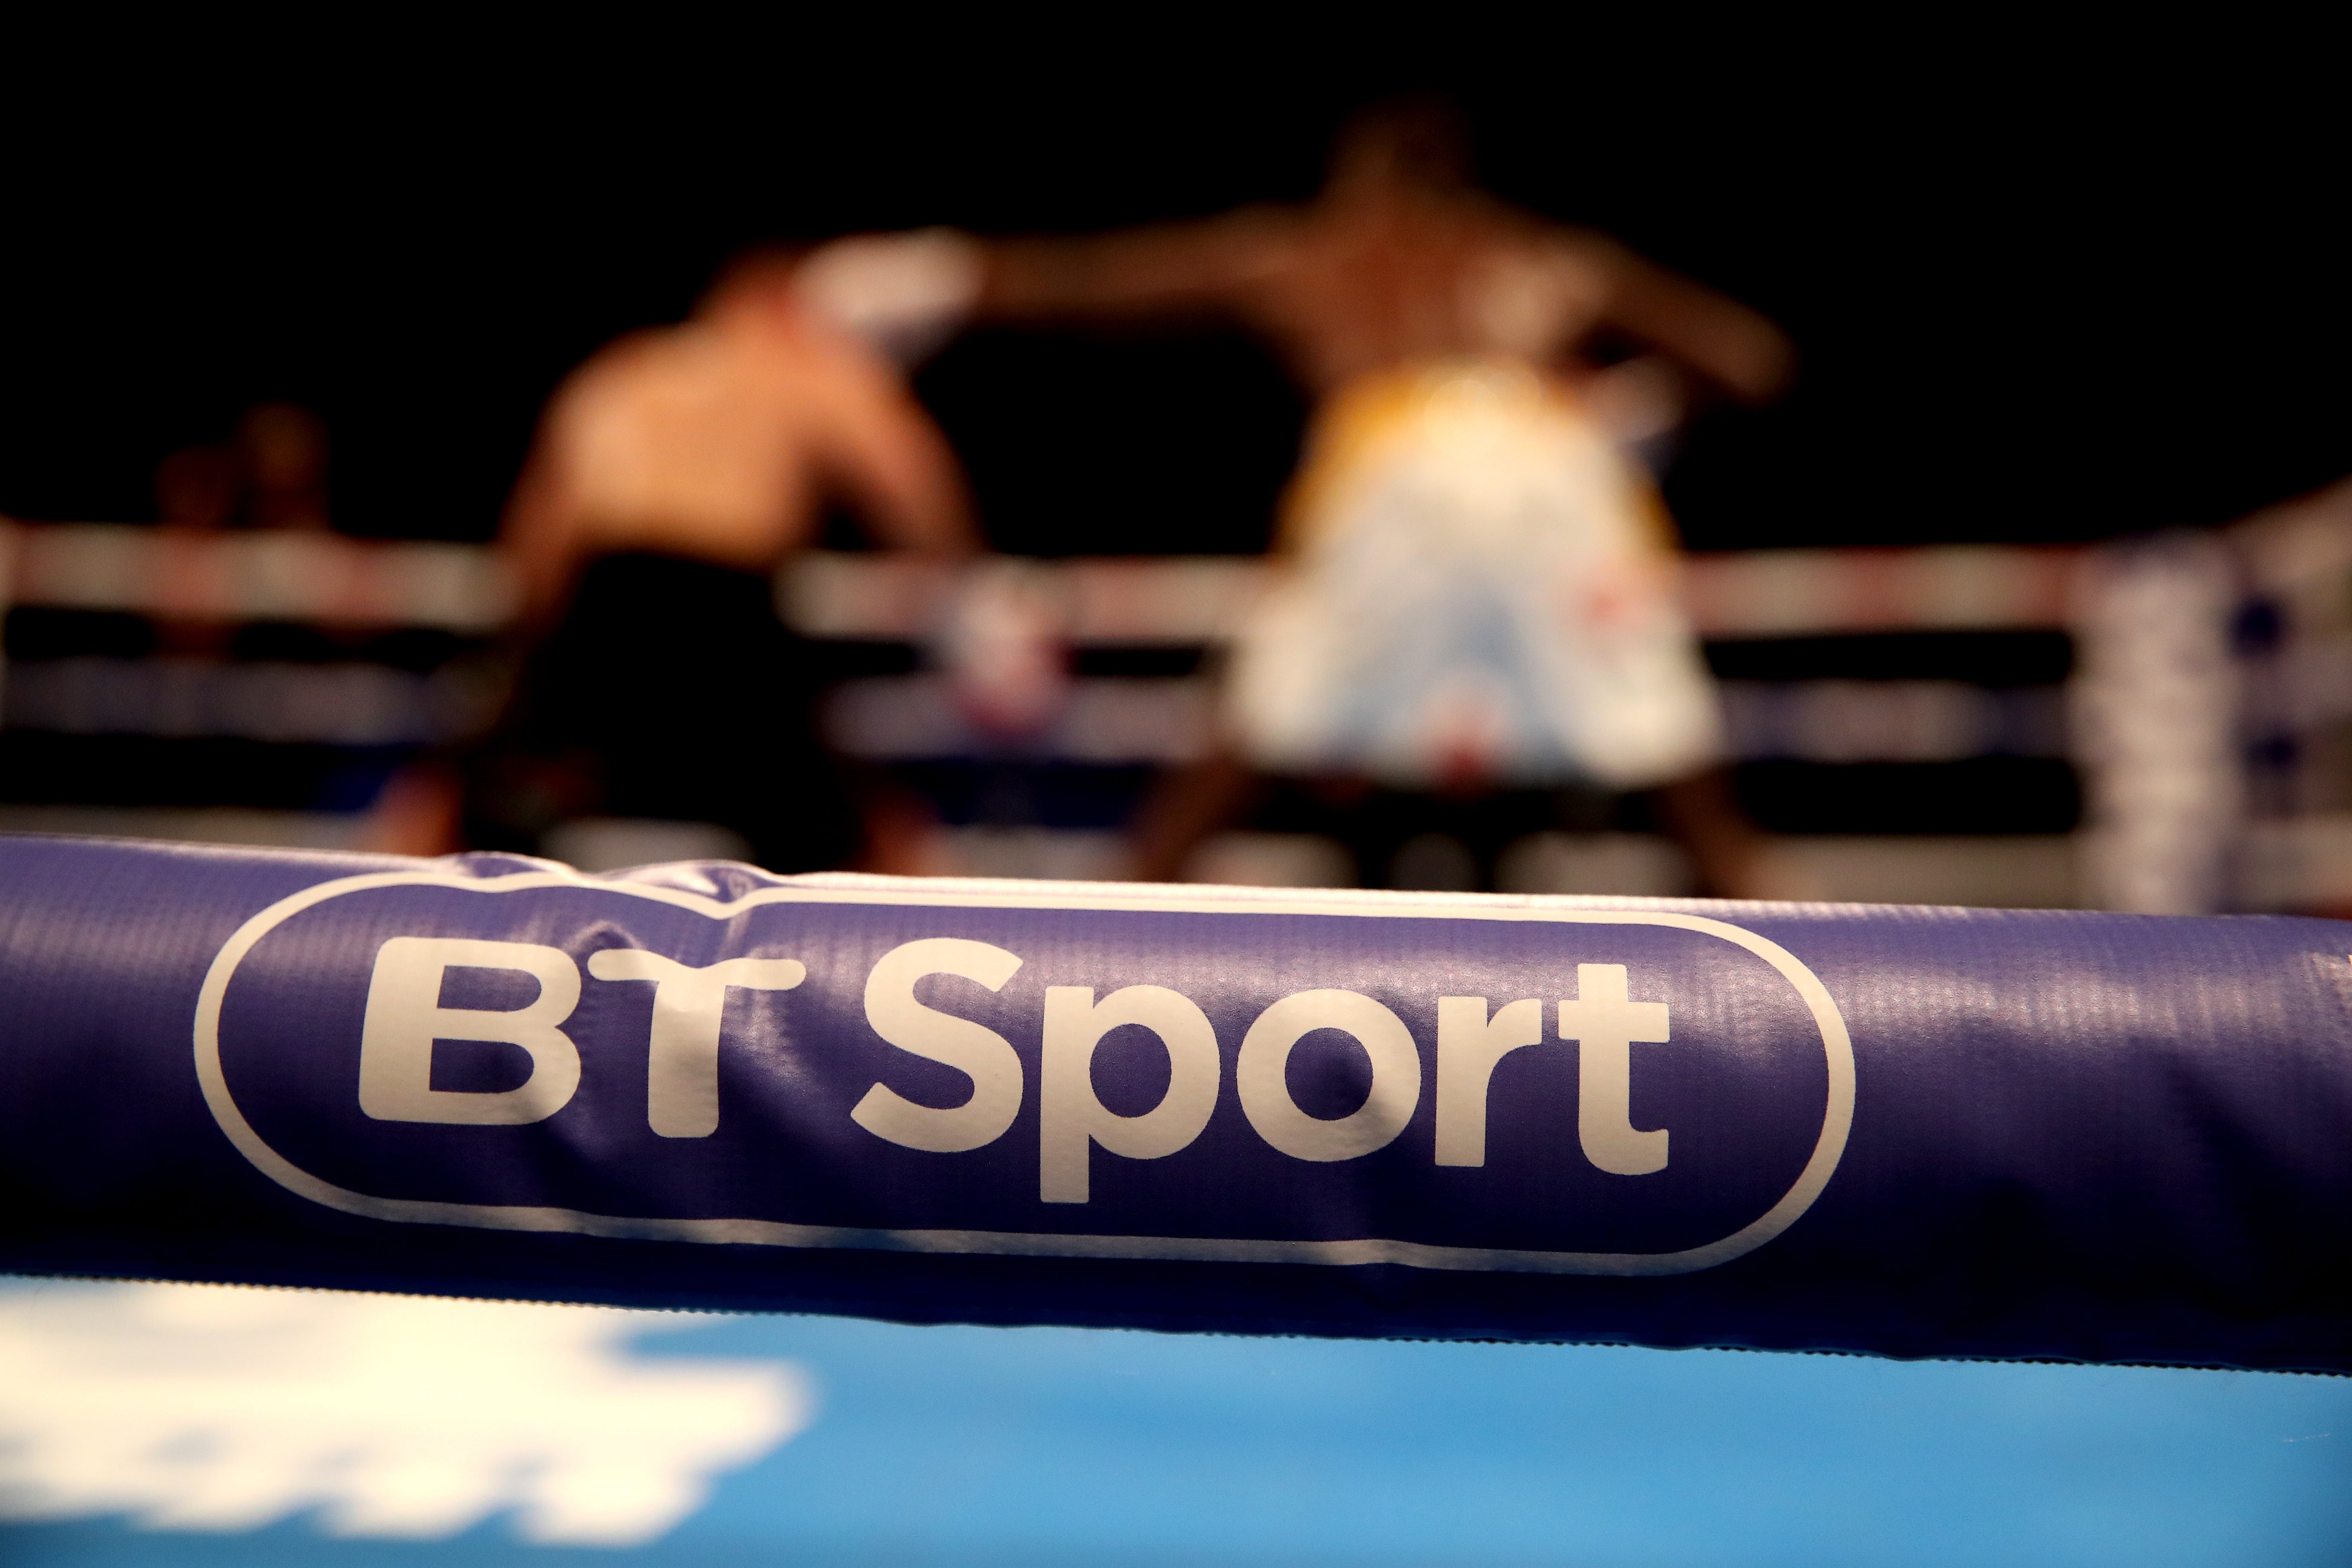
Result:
[{"x": 1837, "y": 1120}]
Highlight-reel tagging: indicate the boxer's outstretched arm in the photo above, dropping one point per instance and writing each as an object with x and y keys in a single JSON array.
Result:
[
  {"x": 1718, "y": 337},
  {"x": 1161, "y": 269}
]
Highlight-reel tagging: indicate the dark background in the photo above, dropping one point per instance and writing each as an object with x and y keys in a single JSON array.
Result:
[{"x": 2045, "y": 288}]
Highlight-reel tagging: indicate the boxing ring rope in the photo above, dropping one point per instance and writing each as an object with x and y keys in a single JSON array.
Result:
[
  {"x": 326, "y": 579},
  {"x": 2207, "y": 757},
  {"x": 2021, "y": 1134},
  {"x": 334, "y": 580},
  {"x": 1202, "y": 599}
]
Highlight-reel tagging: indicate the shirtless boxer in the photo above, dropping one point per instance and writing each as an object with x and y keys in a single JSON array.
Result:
[
  {"x": 721, "y": 440},
  {"x": 673, "y": 472},
  {"x": 1482, "y": 588}
]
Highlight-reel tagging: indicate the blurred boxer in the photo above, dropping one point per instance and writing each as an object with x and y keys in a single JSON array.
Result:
[
  {"x": 673, "y": 473},
  {"x": 722, "y": 442},
  {"x": 1482, "y": 585}
]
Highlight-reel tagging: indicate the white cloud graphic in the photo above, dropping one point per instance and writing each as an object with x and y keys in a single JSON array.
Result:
[{"x": 221, "y": 1409}]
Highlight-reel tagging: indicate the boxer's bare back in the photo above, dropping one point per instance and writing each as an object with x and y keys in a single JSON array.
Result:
[{"x": 723, "y": 439}]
